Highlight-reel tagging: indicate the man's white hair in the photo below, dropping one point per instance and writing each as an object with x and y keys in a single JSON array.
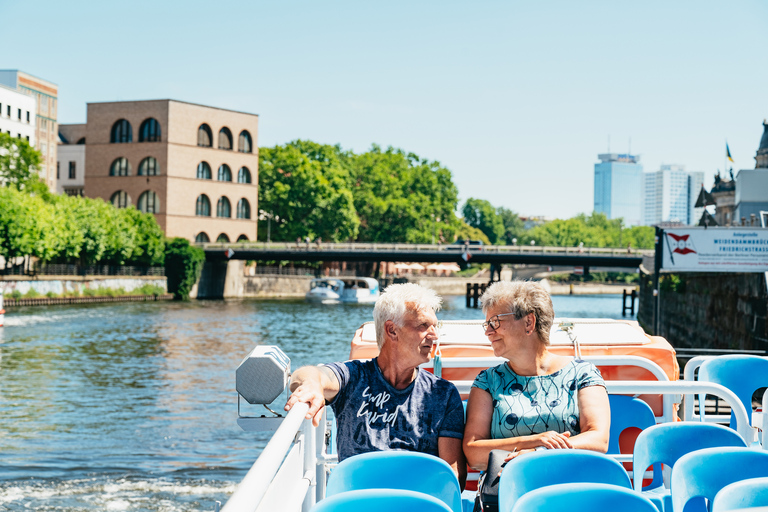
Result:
[{"x": 398, "y": 299}]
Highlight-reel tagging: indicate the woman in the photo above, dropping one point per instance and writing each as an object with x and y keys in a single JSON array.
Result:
[{"x": 536, "y": 399}]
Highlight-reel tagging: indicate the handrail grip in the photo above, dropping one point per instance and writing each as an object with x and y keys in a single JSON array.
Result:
[{"x": 252, "y": 488}]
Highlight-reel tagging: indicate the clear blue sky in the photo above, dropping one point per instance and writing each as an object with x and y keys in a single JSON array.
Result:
[{"x": 515, "y": 98}]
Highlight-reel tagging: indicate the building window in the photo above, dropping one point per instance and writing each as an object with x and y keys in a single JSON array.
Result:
[
  {"x": 203, "y": 171},
  {"x": 149, "y": 131},
  {"x": 225, "y": 139},
  {"x": 223, "y": 238},
  {"x": 121, "y": 132},
  {"x": 27, "y": 116},
  {"x": 202, "y": 238},
  {"x": 243, "y": 209},
  {"x": 81, "y": 140},
  {"x": 8, "y": 111},
  {"x": 43, "y": 146},
  {"x": 203, "y": 206},
  {"x": 149, "y": 203},
  {"x": 19, "y": 114},
  {"x": 225, "y": 174},
  {"x": 242, "y": 238},
  {"x": 204, "y": 136},
  {"x": 72, "y": 170},
  {"x": 149, "y": 167},
  {"x": 58, "y": 170},
  {"x": 243, "y": 175},
  {"x": 120, "y": 199},
  {"x": 120, "y": 167},
  {"x": 244, "y": 144},
  {"x": 224, "y": 208}
]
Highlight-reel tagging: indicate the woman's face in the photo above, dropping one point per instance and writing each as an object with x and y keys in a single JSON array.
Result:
[{"x": 505, "y": 339}]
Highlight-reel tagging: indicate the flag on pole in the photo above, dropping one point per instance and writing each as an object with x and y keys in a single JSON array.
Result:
[{"x": 728, "y": 152}]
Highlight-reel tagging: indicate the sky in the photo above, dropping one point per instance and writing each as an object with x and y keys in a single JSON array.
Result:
[{"x": 516, "y": 98}]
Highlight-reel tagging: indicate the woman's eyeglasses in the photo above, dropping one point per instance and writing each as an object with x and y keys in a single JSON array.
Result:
[{"x": 494, "y": 322}]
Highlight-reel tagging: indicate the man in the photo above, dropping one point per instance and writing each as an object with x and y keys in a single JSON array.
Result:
[{"x": 389, "y": 403}]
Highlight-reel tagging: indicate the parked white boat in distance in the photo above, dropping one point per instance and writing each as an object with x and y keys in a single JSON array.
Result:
[{"x": 347, "y": 290}]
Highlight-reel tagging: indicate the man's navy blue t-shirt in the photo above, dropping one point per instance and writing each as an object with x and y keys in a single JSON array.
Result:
[{"x": 371, "y": 415}]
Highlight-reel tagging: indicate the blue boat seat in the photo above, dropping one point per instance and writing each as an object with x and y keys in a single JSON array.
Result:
[
  {"x": 583, "y": 497},
  {"x": 666, "y": 443},
  {"x": 405, "y": 470},
  {"x": 381, "y": 500},
  {"x": 749, "y": 493},
  {"x": 703, "y": 473},
  {"x": 532, "y": 471},
  {"x": 630, "y": 413}
]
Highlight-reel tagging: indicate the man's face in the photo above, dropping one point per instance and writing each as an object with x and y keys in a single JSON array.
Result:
[{"x": 416, "y": 337}]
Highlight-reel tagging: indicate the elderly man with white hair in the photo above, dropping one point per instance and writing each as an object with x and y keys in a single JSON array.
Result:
[{"x": 389, "y": 403}]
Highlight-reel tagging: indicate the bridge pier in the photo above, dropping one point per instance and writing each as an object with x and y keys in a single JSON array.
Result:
[{"x": 221, "y": 279}]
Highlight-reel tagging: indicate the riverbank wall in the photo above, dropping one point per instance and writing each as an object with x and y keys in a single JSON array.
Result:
[
  {"x": 59, "y": 285},
  {"x": 723, "y": 311}
]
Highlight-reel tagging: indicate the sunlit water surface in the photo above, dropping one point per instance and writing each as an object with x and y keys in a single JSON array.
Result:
[{"x": 131, "y": 406}]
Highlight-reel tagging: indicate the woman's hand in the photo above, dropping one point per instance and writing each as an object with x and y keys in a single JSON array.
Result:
[{"x": 553, "y": 440}]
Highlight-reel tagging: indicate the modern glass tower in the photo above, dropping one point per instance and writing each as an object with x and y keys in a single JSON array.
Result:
[
  {"x": 669, "y": 195},
  {"x": 618, "y": 182}
]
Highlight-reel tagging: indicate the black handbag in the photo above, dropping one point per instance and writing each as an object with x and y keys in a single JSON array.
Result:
[{"x": 488, "y": 488}]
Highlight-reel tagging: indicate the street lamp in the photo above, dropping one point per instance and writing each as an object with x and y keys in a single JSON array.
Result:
[{"x": 267, "y": 215}]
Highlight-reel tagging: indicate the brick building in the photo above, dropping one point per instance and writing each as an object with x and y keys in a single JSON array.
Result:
[{"x": 194, "y": 167}]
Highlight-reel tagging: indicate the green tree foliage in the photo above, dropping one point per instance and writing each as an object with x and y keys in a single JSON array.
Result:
[
  {"x": 304, "y": 186},
  {"x": 467, "y": 232},
  {"x": 18, "y": 223},
  {"x": 595, "y": 230},
  {"x": 183, "y": 265},
  {"x": 480, "y": 214},
  {"x": 399, "y": 197},
  {"x": 513, "y": 225}
]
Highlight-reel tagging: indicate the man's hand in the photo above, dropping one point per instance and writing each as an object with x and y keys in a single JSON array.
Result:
[{"x": 312, "y": 395}]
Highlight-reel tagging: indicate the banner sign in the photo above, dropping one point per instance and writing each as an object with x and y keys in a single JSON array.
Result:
[{"x": 715, "y": 250}]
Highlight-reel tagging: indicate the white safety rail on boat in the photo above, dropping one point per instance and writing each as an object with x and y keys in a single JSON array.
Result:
[
  {"x": 669, "y": 400},
  {"x": 286, "y": 475},
  {"x": 689, "y": 375}
]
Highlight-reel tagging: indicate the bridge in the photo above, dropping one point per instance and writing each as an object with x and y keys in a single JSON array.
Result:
[{"x": 427, "y": 253}]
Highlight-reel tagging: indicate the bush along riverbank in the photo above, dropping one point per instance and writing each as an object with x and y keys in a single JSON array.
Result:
[{"x": 147, "y": 292}]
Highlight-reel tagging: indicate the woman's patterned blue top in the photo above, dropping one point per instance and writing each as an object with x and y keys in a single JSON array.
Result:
[{"x": 531, "y": 405}]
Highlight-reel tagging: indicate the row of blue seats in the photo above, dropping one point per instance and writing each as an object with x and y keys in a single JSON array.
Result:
[{"x": 705, "y": 458}]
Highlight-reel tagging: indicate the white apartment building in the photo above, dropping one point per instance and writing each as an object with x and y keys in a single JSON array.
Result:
[
  {"x": 669, "y": 195},
  {"x": 70, "y": 160},
  {"x": 17, "y": 114}
]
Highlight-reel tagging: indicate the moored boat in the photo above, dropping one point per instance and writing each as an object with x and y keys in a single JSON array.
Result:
[{"x": 348, "y": 290}]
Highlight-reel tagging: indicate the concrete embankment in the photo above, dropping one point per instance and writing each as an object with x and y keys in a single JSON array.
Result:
[{"x": 59, "y": 285}]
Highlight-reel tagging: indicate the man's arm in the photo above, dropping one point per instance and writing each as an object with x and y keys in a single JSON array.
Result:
[
  {"x": 449, "y": 449},
  {"x": 313, "y": 385}
]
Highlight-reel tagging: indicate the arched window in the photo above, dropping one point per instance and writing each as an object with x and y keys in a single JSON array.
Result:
[
  {"x": 120, "y": 199},
  {"x": 223, "y": 238},
  {"x": 225, "y": 174},
  {"x": 204, "y": 136},
  {"x": 120, "y": 167},
  {"x": 244, "y": 144},
  {"x": 243, "y": 175},
  {"x": 202, "y": 238},
  {"x": 121, "y": 132},
  {"x": 203, "y": 171},
  {"x": 149, "y": 131},
  {"x": 149, "y": 203},
  {"x": 81, "y": 140},
  {"x": 203, "y": 207},
  {"x": 223, "y": 208},
  {"x": 149, "y": 167},
  {"x": 243, "y": 209},
  {"x": 225, "y": 139},
  {"x": 242, "y": 238}
]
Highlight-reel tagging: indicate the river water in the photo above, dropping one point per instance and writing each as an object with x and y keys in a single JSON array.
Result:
[{"x": 132, "y": 406}]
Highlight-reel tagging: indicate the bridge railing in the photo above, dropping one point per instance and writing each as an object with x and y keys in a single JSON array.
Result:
[{"x": 457, "y": 248}]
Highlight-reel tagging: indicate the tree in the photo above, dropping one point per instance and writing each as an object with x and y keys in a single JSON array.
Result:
[
  {"x": 183, "y": 265},
  {"x": 480, "y": 214},
  {"x": 18, "y": 163},
  {"x": 401, "y": 197},
  {"x": 304, "y": 186},
  {"x": 514, "y": 227},
  {"x": 18, "y": 225}
]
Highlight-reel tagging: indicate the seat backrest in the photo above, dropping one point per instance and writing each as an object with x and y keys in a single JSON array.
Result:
[
  {"x": 742, "y": 374},
  {"x": 630, "y": 412},
  {"x": 411, "y": 471},
  {"x": 582, "y": 496},
  {"x": 704, "y": 472},
  {"x": 752, "y": 492},
  {"x": 667, "y": 442},
  {"x": 548, "y": 467},
  {"x": 381, "y": 500}
]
